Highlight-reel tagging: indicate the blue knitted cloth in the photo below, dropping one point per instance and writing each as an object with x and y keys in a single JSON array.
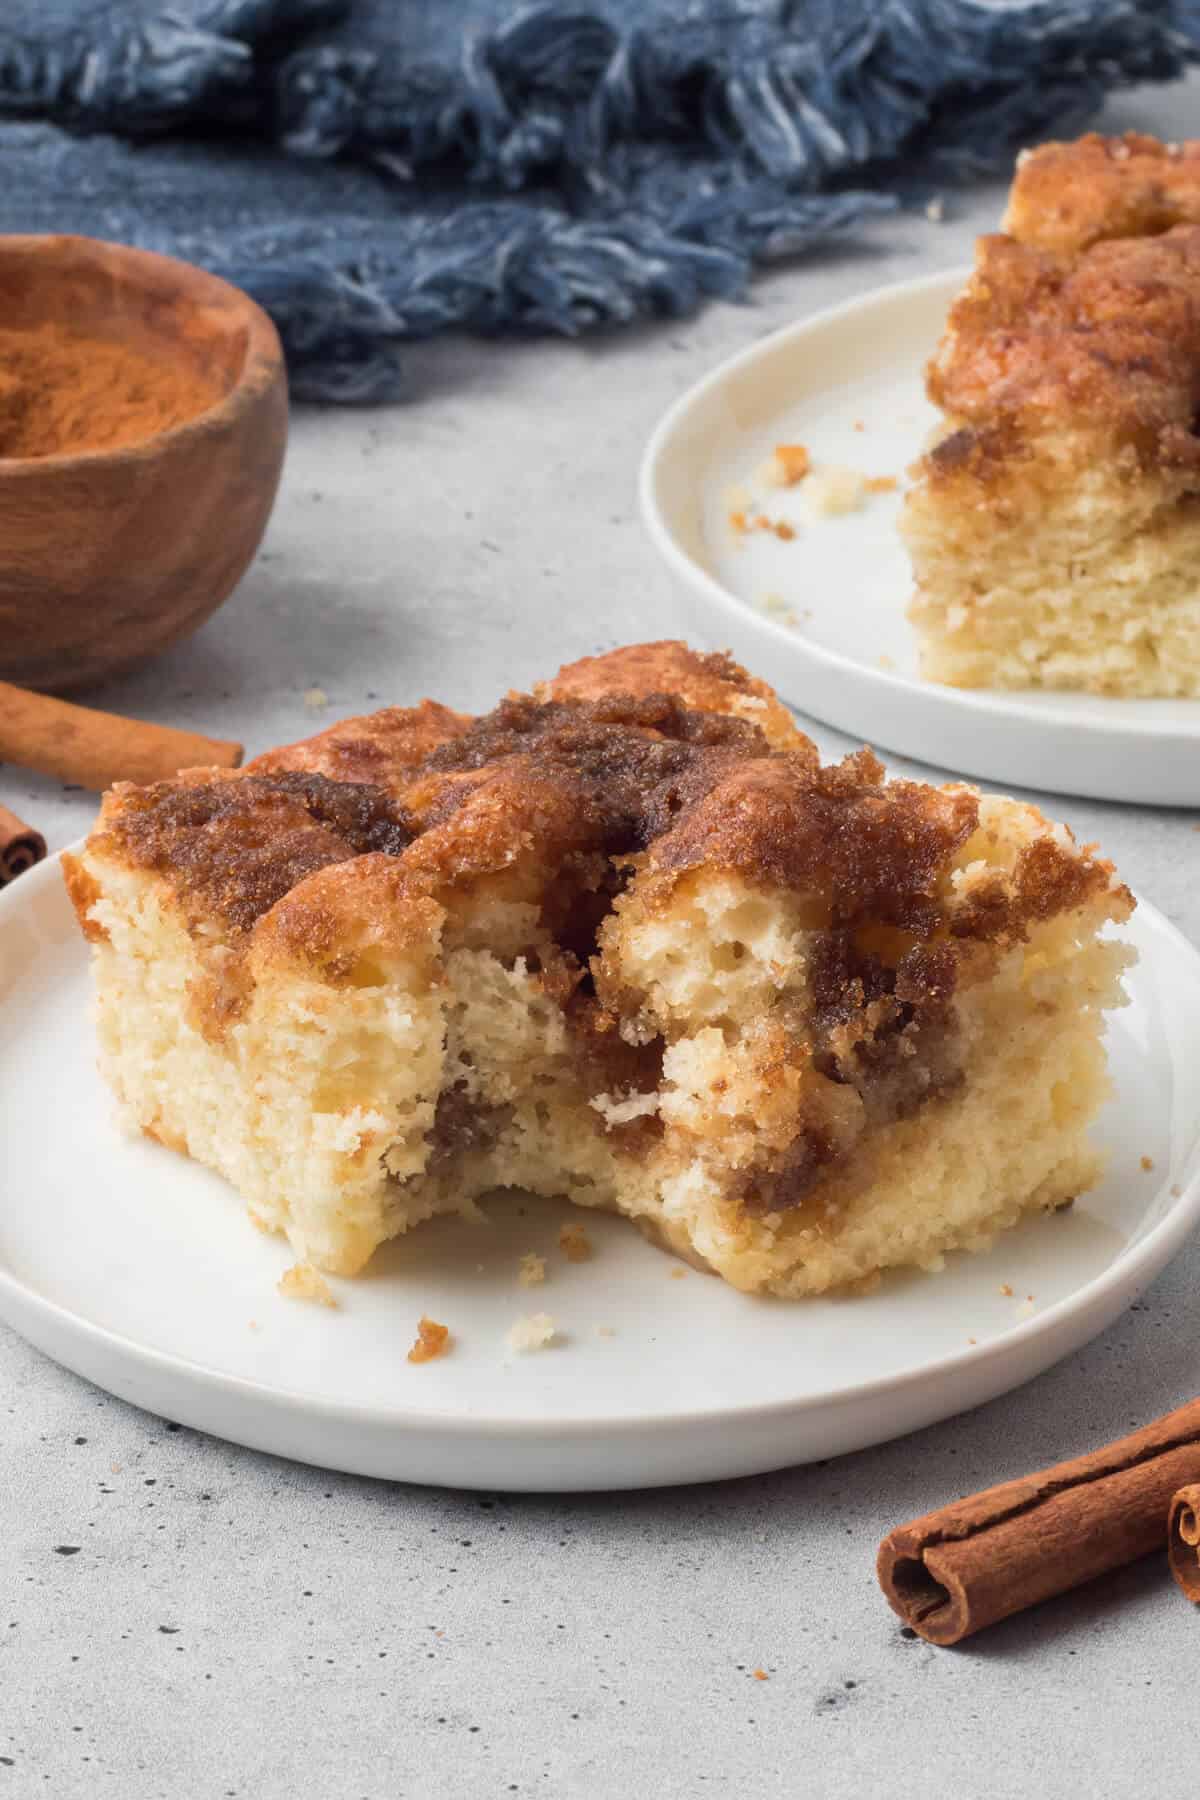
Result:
[{"x": 378, "y": 170}]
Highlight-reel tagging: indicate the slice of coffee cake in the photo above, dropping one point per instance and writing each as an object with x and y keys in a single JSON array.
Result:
[
  {"x": 1054, "y": 528},
  {"x": 623, "y": 940}
]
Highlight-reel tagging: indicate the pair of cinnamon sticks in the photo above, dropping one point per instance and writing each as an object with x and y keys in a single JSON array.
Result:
[{"x": 975, "y": 1562}]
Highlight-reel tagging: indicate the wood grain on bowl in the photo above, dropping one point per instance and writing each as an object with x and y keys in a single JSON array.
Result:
[{"x": 110, "y": 555}]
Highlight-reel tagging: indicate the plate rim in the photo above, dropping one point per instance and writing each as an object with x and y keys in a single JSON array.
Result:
[
  {"x": 1136, "y": 1264},
  {"x": 962, "y": 703}
]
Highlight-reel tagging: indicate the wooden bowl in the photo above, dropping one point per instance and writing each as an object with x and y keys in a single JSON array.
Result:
[{"x": 107, "y": 556}]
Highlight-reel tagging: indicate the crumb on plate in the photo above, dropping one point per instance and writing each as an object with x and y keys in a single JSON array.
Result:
[
  {"x": 303, "y": 1282},
  {"x": 761, "y": 1675},
  {"x": 1006, "y": 1289},
  {"x": 788, "y": 464},
  {"x": 532, "y": 1269},
  {"x": 431, "y": 1340},
  {"x": 882, "y": 484},
  {"x": 605, "y": 1331},
  {"x": 678, "y": 1274},
  {"x": 575, "y": 1243},
  {"x": 316, "y": 699},
  {"x": 834, "y": 490},
  {"x": 533, "y": 1332},
  {"x": 1147, "y": 1163}
]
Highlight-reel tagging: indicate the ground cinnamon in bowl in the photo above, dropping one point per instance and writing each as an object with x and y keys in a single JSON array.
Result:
[{"x": 64, "y": 392}]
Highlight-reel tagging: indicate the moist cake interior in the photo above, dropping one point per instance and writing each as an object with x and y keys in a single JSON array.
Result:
[{"x": 623, "y": 940}]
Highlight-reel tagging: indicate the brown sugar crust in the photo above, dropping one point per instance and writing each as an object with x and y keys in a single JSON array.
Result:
[
  {"x": 870, "y": 849},
  {"x": 380, "y": 748},
  {"x": 1109, "y": 340},
  {"x": 566, "y": 797},
  {"x": 1067, "y": 196},
  {"x": 234, "y": 845},
  {"x": 708, "y": 683}
]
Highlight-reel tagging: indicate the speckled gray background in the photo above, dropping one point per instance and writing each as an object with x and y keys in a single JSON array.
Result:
[{"x": 186, "y": 1619}]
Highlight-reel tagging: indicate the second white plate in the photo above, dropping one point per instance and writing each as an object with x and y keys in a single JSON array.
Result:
[
  {"x": 848, "y": 384},
  {"x": 141, "y": 1271}
]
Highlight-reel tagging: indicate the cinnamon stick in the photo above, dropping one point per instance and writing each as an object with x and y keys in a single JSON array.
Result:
[
  {"x": 20, "y": 846},
  {"x": 970, "y": 1564},
  {"x": 93, "y": 749},
  {"x": 1183, "y": 1540}
]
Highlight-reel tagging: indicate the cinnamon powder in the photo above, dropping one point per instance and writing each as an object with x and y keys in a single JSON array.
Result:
[{"x": 63, "y": 392}]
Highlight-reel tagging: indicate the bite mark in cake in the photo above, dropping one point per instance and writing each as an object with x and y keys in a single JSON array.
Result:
[{"x": 623, "y": 940}]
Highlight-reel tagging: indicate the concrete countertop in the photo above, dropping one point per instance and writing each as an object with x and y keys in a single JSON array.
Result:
[{"x": 235, "y": 1626}]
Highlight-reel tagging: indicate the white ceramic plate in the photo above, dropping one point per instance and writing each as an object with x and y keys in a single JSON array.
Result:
[
  {"x": 848, "y": 385},
  {"x": 140, "y": 1271}
]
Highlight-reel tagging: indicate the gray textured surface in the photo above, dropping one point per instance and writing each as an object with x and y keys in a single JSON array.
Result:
[{"x": 235, "y": 1626}]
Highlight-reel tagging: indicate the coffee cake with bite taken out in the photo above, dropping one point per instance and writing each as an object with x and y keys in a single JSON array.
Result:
[{"x": 625, "y": 940}]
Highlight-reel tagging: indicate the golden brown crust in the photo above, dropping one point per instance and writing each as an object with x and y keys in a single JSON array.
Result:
[
  {"x": 379, "y": 748},
  {"x": 233, "y": 844},
  {"x": 869, "y": 849},
  {"x": 554, "y": 803},
  {"x": 712, "y": 683},
  {"x": 1081, "y": 321},
  {"x": 1108, "y": 341},
  {"x": 1067, "y": 196}
]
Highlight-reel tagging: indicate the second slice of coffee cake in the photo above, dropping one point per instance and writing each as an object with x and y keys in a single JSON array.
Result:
[{"x": 1054, "y": 528}]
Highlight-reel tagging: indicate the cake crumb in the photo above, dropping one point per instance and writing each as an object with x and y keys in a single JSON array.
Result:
[
  {"x": 575, "y": 1244},
  {"x": 935, "y": 211},
  {"x": 761, "y": 1675},
  {"x": 1176, "y": 1190},
  {"x": 532, "y": 1270},
  {"x": 789, "y": 464},
  {"x": 882, "y": 484},
  {"x": 1147, "y": 1163},
  {"x": 316, "y": 699},
  {"x": 972, "y": 1340},
  {"x": 886, "y": 662},
  {"x": 678, "y": 1274},
  {"x": 303, "y": 1282},
  {"x": 533, "y": 1332},
  {"x": 605, "y": 1331},
  {"x": 431, "y": 1340},
  {"x": 737, "y": 521},
  {"x": 833, "y": 491},
  {"x": 1006, "y": 1289},
  {"x": 859, "y": 425}
]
